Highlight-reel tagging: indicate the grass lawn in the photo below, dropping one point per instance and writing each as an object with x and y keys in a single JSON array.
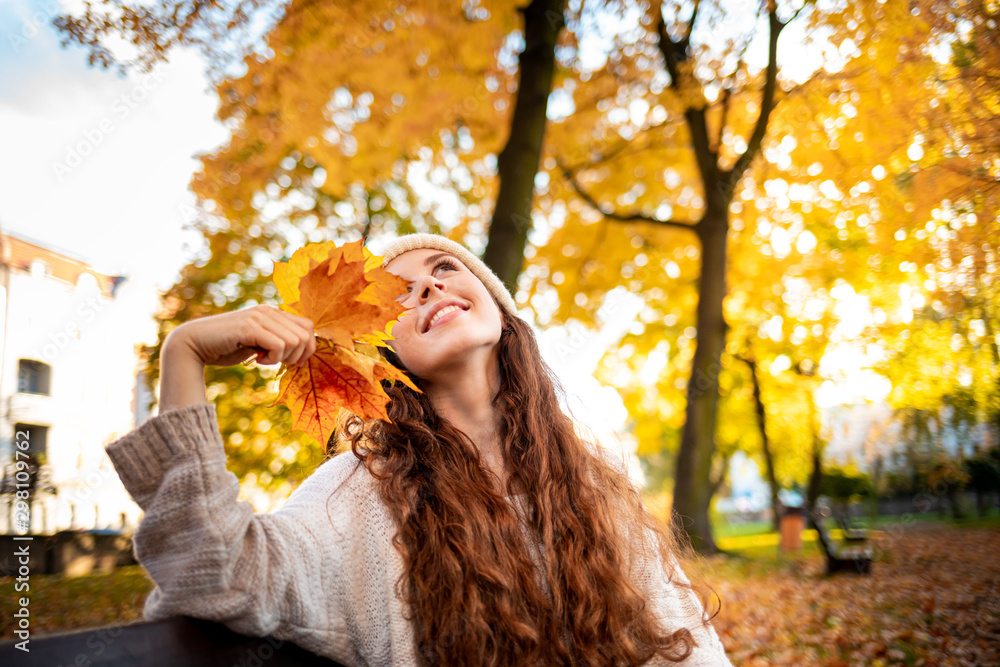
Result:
[{"x": 933, "y": 598}]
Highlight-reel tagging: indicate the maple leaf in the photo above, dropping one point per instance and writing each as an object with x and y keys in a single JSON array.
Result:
[
  {"x": 341, "y": 290},
  {"x": 351, "y": 300}
]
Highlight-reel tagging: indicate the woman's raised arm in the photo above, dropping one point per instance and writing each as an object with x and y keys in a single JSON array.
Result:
[
  {"x": 209, "y": 554},
  {"x": 227, "y": 339}
]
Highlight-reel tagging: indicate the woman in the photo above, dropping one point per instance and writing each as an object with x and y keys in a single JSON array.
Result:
[{"x": 475, "y": 529}]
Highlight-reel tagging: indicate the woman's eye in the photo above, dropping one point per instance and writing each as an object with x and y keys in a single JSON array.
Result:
[{"x": 443, "y": 264}]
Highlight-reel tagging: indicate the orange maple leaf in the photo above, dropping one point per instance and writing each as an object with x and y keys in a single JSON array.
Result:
[
  {"x": 330, "y": 286},
  {"x": 352, "y": 301}
]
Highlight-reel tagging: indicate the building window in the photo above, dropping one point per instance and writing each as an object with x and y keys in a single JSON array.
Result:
[
  {"x": 87, "y": 283},
  {"x": 33, "y": 377},
  {"x": 35, "y": 436}
]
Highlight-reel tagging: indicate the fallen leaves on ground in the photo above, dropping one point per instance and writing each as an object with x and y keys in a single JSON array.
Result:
[
  {"x": 58, "y": 604},
  {"x": 933, "y": 598}
]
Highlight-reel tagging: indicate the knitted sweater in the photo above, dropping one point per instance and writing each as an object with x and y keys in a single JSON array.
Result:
[{"x": 319, "y": 572}]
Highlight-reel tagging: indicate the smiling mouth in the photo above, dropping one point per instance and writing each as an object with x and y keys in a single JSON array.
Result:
[{"x": 447, "y": 310}]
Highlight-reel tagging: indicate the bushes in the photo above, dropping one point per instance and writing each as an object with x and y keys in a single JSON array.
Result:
[
  {"x": 945, "y": 479},
  {"x": 983, "y": 478},
  {"x": 843, "y": 485}
]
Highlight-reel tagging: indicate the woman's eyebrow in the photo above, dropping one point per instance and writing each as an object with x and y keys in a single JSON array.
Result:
[
  {"x": 433, "y": 258},
  {"x": 430, "y": 260}
]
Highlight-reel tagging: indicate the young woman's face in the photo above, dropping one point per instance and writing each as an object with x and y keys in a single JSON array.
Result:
[{"x": 450, "y": 314}]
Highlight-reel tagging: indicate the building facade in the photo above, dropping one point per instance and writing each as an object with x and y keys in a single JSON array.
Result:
[{"x": 68, "y": 366}]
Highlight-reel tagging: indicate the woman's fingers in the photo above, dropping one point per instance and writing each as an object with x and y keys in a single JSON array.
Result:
[
  {"x": 302, "y": 327},
  {"x": 307, "y": 329},
  {"x": 295, "y": 339},
  {"x": 303, "y": 322},
  {"x": 272, "y": 335},
  {"x": 271, "y": 342}
]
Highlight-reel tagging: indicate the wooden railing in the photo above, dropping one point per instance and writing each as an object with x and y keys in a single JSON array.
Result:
[{"x": 175, "y": 642}]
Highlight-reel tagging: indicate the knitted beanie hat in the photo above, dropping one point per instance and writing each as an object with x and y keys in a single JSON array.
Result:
[{"x": 409, "y": 242}]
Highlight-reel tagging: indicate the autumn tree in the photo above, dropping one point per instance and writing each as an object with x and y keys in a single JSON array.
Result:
[
  {"x": 651, "y": 183},
  {"x": 464, "y": 54},
  {"x": 933, "y": 188},
  {"x": 347, "y": 120},
  {"x": 955, "y": 302},
  {"x": 647, "y": 165}
]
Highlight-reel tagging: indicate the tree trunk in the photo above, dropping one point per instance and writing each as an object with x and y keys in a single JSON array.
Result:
[
  {"x": 772, "y": 478},
  {"x": 693, "y": 489},
  {"x": 518, "y": 163},
  {"x": 955, "y": 501},
  {"x": 816, "y": 477}
]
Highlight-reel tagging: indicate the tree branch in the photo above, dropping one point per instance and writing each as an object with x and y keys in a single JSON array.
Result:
[
  {"x": 721, "y": 477},
  {"x": 668, "y": 50},
  {"x": 795, "y": 15},
  {"x": 766, "y": 103},
  {"x": 621, "y": 217},
  {"x": 686, "y": 42},
  {"x": 727, "y": 92},
  {"x": 620, "y": 149},
  {"x": 675, "y": 52}
]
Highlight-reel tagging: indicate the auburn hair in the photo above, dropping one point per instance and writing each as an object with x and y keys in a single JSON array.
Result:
[{"x": 488, "y": 581}]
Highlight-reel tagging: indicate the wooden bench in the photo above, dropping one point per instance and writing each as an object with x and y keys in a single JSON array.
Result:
[
  {"x": 851, "y": 555},
  {"x": 169, "y": 643},
  {"x": 852, "y": 534}
]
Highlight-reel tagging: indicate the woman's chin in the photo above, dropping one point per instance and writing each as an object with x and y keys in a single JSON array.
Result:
[{"x": 450, "y": 353}]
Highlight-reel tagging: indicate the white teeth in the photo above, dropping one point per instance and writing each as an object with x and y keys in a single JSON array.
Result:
[{"x": 441, "y": 313}]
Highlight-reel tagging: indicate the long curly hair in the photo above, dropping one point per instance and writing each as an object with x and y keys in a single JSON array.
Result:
[{"x": 540, "y": 578}]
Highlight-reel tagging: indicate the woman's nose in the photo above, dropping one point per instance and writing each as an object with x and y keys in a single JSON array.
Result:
[{"x": 425, "y": 286}]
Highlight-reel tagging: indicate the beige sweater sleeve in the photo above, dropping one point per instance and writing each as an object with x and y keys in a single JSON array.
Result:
[{"x": 209, "y": 555}]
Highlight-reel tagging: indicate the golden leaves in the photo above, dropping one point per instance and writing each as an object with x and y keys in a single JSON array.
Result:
[
  {"x": 931, "y": 600},
  {"x": 352, "y": 301}
]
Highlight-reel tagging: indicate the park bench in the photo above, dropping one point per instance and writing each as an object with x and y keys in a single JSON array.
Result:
[
  {"x": 851, "y": 555},
  {"x": 852, "y": 534},
  {"x": 168, "y": 643}
]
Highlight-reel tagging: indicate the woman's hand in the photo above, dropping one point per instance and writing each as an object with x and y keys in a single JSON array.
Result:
[
  {"x": 231, "y": 338},
  {"x": 272, "y": 335}
]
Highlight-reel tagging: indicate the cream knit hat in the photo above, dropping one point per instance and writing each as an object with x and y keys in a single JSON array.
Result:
[{"x": 437, "y": 242}]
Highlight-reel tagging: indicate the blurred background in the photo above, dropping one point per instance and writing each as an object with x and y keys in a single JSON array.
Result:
[{"x": 758, "y": 243}]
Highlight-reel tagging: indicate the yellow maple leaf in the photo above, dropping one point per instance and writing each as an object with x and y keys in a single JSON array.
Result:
[{"x": 351, "y": 300}]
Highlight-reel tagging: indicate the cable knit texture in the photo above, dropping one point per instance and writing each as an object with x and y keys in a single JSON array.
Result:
[{"x": 320, "y": 572}]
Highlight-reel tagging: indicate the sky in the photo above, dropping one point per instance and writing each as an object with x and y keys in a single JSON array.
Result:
[{"x": 95, "y": 164}]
